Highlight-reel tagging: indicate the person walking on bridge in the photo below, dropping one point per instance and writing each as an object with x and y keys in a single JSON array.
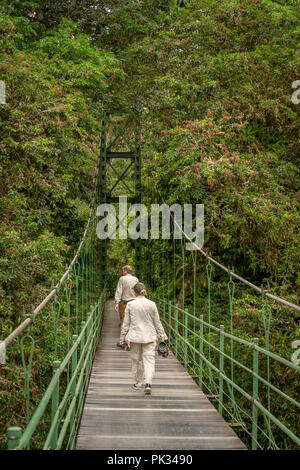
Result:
[
  {"x": 124, "y": 292},
  {"x": 143, "y": 329}
]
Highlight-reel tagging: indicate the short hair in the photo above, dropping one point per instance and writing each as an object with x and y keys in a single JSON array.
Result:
[
  {"x": 140, "y": 288},
  {"x": 127, "y": 268}
]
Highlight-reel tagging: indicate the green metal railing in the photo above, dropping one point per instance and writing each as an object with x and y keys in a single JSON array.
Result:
[
  {"x": 72, "y": 315},
  {"x": 74, "y": 312},
  {"x": 66, "y": 401}
]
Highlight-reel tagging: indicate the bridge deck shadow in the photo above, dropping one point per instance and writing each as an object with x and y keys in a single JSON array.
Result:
[{"x": 176, "y": 416}]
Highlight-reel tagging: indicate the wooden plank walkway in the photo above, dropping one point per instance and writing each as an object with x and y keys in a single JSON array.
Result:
[{"x": 176, "y": 416}]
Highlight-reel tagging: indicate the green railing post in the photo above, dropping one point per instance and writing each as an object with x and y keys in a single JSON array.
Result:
[
  {"x": 255, "y": 395},
  {"x": 54, "y": 405},
  {"x": 201, "y": 352},
  {"x": 14, "y": 434},
  {"x": 176, "y": 329},
  {"x": 221, "y": 369},
  {"x": 88, "y": 329},
  {"x": 82, "y": 282},
  {"x": 186, "y": 320}
]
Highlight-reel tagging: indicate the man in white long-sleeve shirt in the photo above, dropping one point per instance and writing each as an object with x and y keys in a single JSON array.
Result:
[
  {"x": 143, "y": 329},
  {"x": 124, "y": 291}
]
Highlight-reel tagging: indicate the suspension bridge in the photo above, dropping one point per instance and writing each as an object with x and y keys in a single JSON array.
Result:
[{"x": 217, "y": 390}]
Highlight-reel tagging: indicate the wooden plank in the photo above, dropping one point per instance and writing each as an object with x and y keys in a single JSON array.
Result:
[{"x": 176, "y": 416}]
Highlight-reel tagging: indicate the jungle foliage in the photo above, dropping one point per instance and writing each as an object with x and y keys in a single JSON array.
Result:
[{"x": 210, "y": 83}]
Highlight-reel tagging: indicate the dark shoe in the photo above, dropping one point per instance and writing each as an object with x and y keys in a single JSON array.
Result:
[
  {"x": 119, "y": 345},
  {"x": 147, "y": 389}
]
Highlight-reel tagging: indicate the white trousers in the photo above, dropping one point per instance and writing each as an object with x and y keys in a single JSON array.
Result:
[{"x": 143, "y": 361}]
